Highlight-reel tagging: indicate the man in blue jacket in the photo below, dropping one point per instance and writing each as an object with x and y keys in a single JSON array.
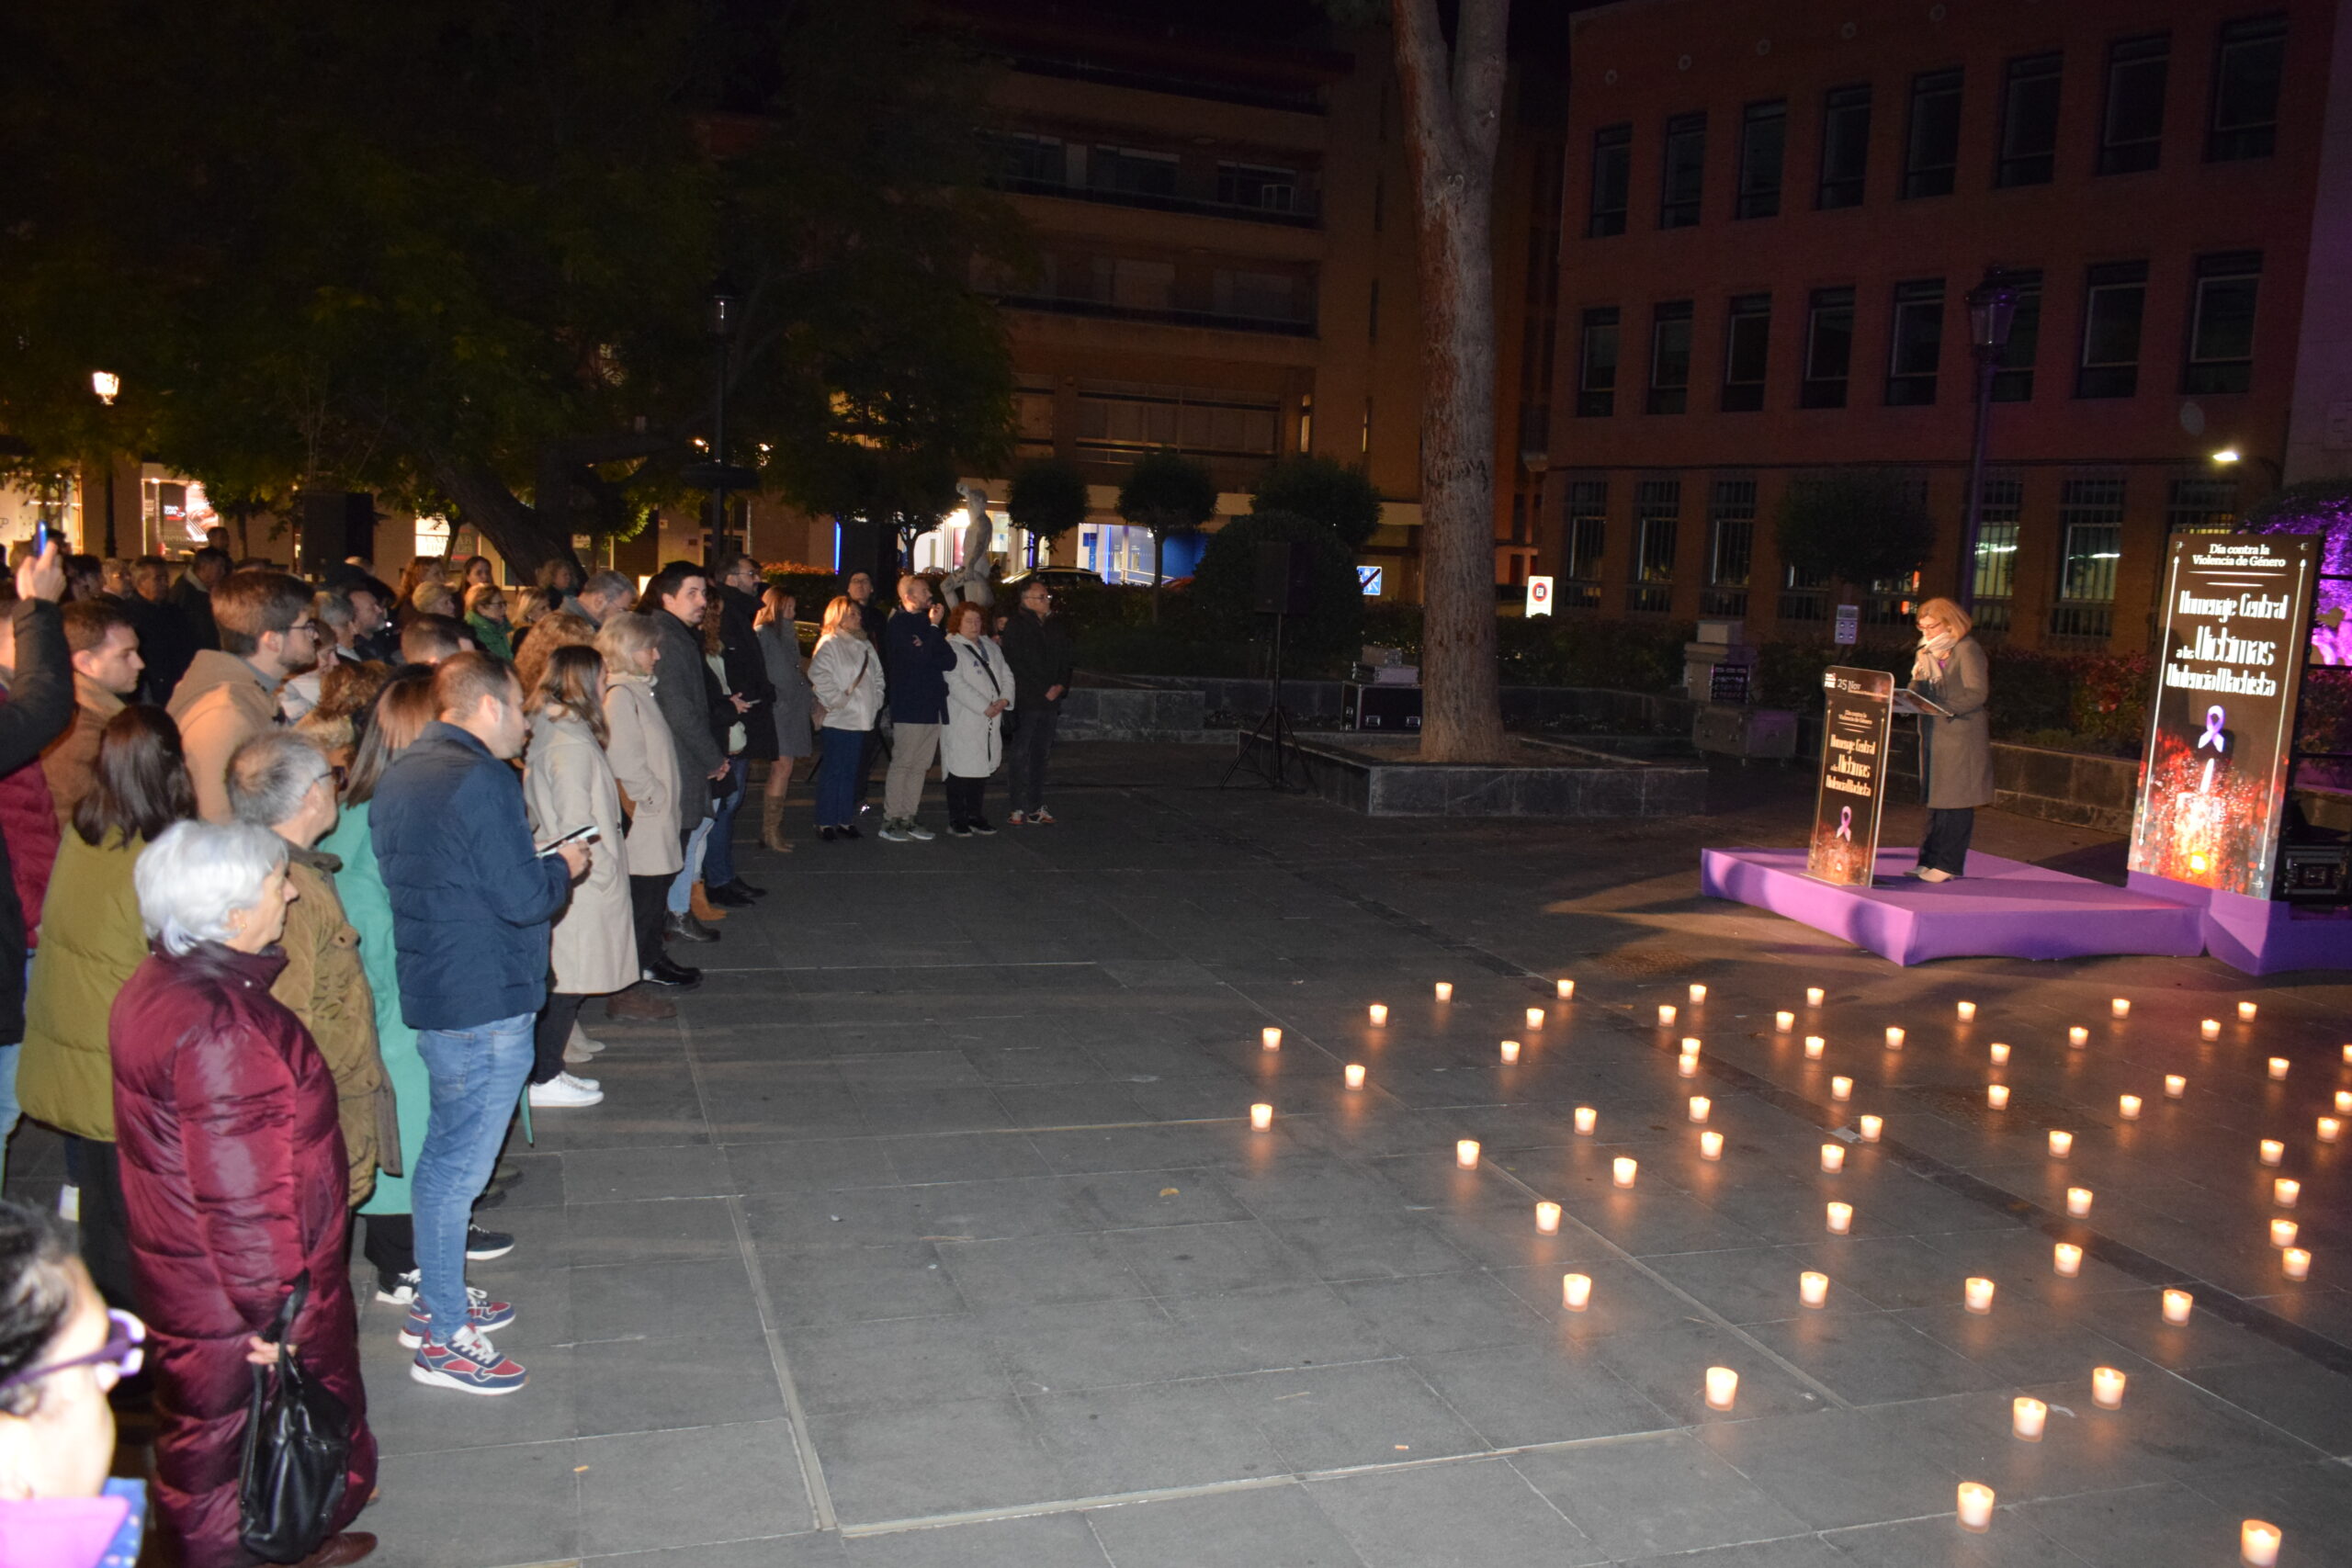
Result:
[
  {"x": 915, "y": 660},
  {"x": 472, "y": 900}
]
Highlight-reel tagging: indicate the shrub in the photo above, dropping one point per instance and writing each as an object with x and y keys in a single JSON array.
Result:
[
  {"x": 1321, "y": 490},
  {"x": 1856, "y": 524},
  {"x": 1219, "y": 603}
]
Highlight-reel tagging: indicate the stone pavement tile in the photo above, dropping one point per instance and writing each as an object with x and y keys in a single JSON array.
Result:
[
  {"x": 1872, "y": 1357},
  {"x": 1136, "y": 1060},
  {"x": 1514, "y": 1396},
  {"x": 2017, "y": 1260},
  {"x": 961, "y": 1156},
  {"x": 1125, "y": 1199},
  {"x": 905, "y": 1111},
  {"x": 909, "y": 1069},
  {"x": 1099, "y": 1344},
  {"x": 1507, "y": 1239},
  {"x": 1150, "y": 1435},
  {"x": 1368, "y": 1246},
  {"x": 2083, "y": 1448},
  {"x": 809, "y": 1548},
  {"x": 2312, "y": 1501},
  {"x": 910, "y": 1360},
  {"x": 1624, "y": 1298},
  {"x": 1644, "y": 1497},
  {"x": 915, "y": 1461},
  {"x": 1429, "y": 1177},
  {"x": 1442, "y": 1311},
  {"x": 1007, "y": 1208},
  {"x": 1839, "y": 1467},
  {"x": 1445, "y": 1515},
  {"x": 1796, "y": 1551},
  {"x": 2024, "y": 1341},
  {"x": 2011, "y": 1543},
  {"x": 1153, "y": 1149},
  {"x": 668, "y": 1489},
  {"x": 1752, "y": 1285},
  {"x": 1277, "y": 1527},
  {"x": 1013, "y": 1064},
  {"x": 1367, "y": 1131},
  {"x": 1369, "y": 1413},
  {"x": 1668, "y": 1365},
  {"x": 1890, "y": 1271},
  {"x": 834, "y": 1286},
  {"x": 791, "y": 1164},
  {"x": 657, "y": 1299},
  {"x": 603, "y": 1175},
  {"x": 1043, "y": 1540},
  {"x": 1039, "y": 1270},
  {"x": 661, "y": 1230},
  {"x": 2164, "y": 1526},
  {"x": 446, "y": 1508},
  {"x": 1309, "y": 1186},
  {"x": 2135, "y": 1319},
  {"x": 634, "y": 1121},
  {"x": 2309, "y": 1402},
  {"x": 1270, "y": 1328},
  {"x": 751, "y": 1110},
  {"x": 1649, "y": 1222},
  {"x": 645, "y": 1385},
  {"x": 1070, "y": 1105},
  {"x": 2183, "y": 1432},
  {"x": 1185, "y": 1260}
]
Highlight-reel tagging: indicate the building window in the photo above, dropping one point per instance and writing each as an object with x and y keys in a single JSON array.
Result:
[
  {"x": 1997, "y": 510},
  {"x": 2013, "y": 372},
  {"x": 2114, "y": 297},
  {"x": 1828, "y": 348},
  {"x": 1128, "y": 417},
  {"x": 1597, "y": 365},
  {"x": 1731, "y": 546},
  {"x": 2131, "y": 128},
  {"x": 1264, "y": 186},
  {"x": 1670, "y": 358},
  {"x": 1259, "y": 296},
  {"x": 1583, "y": 541},
  {"x": 2247, "y": 66},
  {"x": 1133, "y": 285},
  {"x": 2029, "y": 122},
  {"x": 1683, "y": 172},
  {"x": 1747, "y": 340},
  {"x": 1613, "y": 180},
  {"x": 1931, "y": 150},
  {"x": 1763, "y": 136},
  {"x": 1132, "y": 172},
  {"x": 2221, "y": 324},
  {"x": 2090, "y": 527},
  {"x": 2202, "y": 506},
  {"x": 1844, "y": 146},
  {"x": 1658, "y": 511},
  {"x": 1028, "y": 161},
  {"x": 1917, "y": 344}
]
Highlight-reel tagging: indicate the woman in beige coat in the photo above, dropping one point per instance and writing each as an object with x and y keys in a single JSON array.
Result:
[
  {"x": 568, "y": 784},
  {"x": 645, "y": 763}
]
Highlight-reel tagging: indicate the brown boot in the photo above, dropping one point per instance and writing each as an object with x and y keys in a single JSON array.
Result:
[
  {"x": 703, "y": 909},
  {"x": 772, "y": 823},
  {"x": 640, "y": 1004},
  {"x": 351, "y": 1546}
]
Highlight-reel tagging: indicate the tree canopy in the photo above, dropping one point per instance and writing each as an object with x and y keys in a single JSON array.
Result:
[
  {"x": 460, "y": 251},
  {"x": 1047, "y": 497},
  {"x": 1168, "y": 494},
  {"x": 1858, "y": 525},
  {"x": 1224, "y": 592},
  {"x": 1343, "y": 499}
]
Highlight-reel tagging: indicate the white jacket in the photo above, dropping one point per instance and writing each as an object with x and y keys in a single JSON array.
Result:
[
  {"x": 971, "y": 744},
  {"x": 846, "y": 674}
]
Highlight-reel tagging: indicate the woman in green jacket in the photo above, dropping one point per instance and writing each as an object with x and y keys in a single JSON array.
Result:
[{"x": 91, "y": 941}]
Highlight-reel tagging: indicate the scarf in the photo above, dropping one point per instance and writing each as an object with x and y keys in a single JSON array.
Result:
[{"x": 1929, "y": 663}]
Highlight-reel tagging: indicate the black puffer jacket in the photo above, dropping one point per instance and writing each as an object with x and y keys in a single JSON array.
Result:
[{"x": 1042, "y": 655}]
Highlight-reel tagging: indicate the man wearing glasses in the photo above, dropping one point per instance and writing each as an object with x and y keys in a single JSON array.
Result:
[{"x": 230, "y": 693}]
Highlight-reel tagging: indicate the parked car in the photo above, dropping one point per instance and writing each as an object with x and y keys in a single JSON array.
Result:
[{"x": 1056, "y": 577}]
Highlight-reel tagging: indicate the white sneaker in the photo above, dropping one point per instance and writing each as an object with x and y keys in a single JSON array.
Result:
[
  {"x": 580, "y": 1042},
  {"x": 915, "y": 830},
  {"x": 563, "y": 1091}
]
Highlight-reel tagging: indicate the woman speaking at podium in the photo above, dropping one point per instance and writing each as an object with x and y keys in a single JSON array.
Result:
[{"x": 1956, "y": 743}]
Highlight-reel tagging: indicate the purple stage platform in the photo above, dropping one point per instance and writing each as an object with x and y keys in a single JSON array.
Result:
[
  {"x": 2002, "y": 909},
  {"x": 2259, "y": 936}
]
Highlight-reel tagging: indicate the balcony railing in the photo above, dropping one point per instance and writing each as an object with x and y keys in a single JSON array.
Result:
[
  {"x": 1722, "y": 601},
  {"x": 1649, "y": 598},
  {"x": 2088, "y": 621},
  {"x": 1305, "y": 211},
  {"x": 1060, "y": 306}
]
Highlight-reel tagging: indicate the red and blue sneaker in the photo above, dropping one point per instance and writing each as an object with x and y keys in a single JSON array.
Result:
[
  {"x": 466, "y": 1363},
  {"x": 482, "y": 1314}
]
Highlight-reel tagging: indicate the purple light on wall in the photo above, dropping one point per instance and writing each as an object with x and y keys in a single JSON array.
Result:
[{"x": 2324, "y": 508}]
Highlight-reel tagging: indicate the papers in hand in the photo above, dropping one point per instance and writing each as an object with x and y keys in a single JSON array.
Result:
[{"x": 1911, "y": 702}]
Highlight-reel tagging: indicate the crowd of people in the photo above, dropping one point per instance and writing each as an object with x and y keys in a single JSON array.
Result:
[{"x": 316, "y": 883}]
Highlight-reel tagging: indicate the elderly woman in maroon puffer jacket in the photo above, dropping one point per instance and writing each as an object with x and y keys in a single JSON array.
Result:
[{"x": 232, "y": 1175}]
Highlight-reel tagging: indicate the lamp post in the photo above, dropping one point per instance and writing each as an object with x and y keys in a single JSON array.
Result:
[
  {"x": 722, "y": 333},
  {"x": 1991, "y": 308},
  {"x": 108, "y": 387}
]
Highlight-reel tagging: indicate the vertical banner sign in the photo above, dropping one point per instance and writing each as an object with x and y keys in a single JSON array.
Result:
[
  {"x": 1539, "y": 595},
  {"x": 1853, "y": 776},
  {"x": 2229, "y": 665}
]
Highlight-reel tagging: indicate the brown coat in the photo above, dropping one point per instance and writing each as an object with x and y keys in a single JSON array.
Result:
[
  {"x": 324, "y": 984},
  {"x": 71, "y": 762},
  {"x": 220, "y": 704}
]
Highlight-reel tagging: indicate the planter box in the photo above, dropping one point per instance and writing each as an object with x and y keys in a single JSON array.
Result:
[{"x": 1365, "y": 774}]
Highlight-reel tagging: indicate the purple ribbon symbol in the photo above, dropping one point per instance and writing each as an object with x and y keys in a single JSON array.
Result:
[
  {"x": 2213, "y": 736},
  {"x": 1846, "y": 823}
]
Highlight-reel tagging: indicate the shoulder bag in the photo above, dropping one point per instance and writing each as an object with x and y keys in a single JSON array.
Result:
[{"x": 297, "y": 1451}]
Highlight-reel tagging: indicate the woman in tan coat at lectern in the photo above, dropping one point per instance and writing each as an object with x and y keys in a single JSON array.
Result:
[{"x": 1955, "y": 753}]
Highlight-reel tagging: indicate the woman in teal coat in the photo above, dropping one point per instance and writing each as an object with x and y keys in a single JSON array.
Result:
[{"x": 403, "y": 709}]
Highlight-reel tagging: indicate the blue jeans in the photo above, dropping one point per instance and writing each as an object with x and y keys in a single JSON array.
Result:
[
  {"x": 838, "y": 772},
  {"x": 682, "y": 890},
  {"x": 718, "y": 859},
  {"x": 477, "y": 1076},
  {"x": 9, "y": 1110}
]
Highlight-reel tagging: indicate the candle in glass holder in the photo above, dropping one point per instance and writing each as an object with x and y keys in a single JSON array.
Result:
[
  {"x": 2107, "y": 1388},
  {"x": 2177, "y": 1306},
  {"x": 1534, "y": 1018},
  {"x": 2344, "y": 1102},
  {"x": 2127, "y": 1106},
  {"x": 2246, "y": 1013},
  {"x": 1565, "y": 989},
  {"x": 2061, "y": 1144},
  {"x": 1841, "y": 1218},
  {"x": 1967, "y": 1011},
  {"x": 2067, "y": 1258},
  {"x": 1711, "y": 1145},
  {"x": 1465, "y": 1153},
  {"x": 1270, "y": 1038},
  {"x": 2284, "y": 1190},
  {"x": 2272, "y": 1151},
  {"x": 2297, "y": 1261},
  {"x": 2077, "y": 1036},
  {"x": 1833, "y": 1157},
  {"x": 1511, "y": 1053},
  {"x": 1622, "y": 1169},
  {"x": 1690, "y": 1047},
  {"x": 2078, "y": 1201},
  {"x": 1700, "y": 1106},
  {"x": 2000, "y": 1054},
  {"x": 2277, "y": 1069},
  {"x": 2210, "y": 1029},
  {"x": 1547, "y": 1217},
  {"x": 1262, "y": 1117},
  {"x": 1697, "y": 993},
  {"x": 2347, "y": 1056},
  {"x": 1586, "y": 1117},
  {"x": 1355, "y": 1075},
  {"x": 1379, "y": 1015},
  {"x": 2258, "y": 1543},
  {"x": 1894, "y": 1037},
  {"x": 1783, "y": 1021},
  {"x": 2027, "y": 1416},
  {"x": 1976, "y": 1506},
  {"x": 2330, "y": 1129},
  {"x": 1814, "y": 1046},
  {"x": 1813, "y": 1289},
  {"x": 1723, "y": 1388},
  {"x": 1665, "y": 1015},
  {"x": 2282, "y": 1233},
  {"x": 1445, "y": 990},
  {"x": 1687, "y": 1065},
  {"x": 1997, "y": 1095},
  {"x": 1575, "y": 1291},
  {"x": 1976, "y": 1295},
  {"x": 2121, "y": 1006},
  {"x": 1841, "y": 1088},
  {"x": 2175, "y": 1085},
  {"x": 1813, "y": 995},
  {"x": 1871, "y": 1127}
]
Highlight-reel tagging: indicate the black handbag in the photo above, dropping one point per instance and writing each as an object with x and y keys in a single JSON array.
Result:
[{"x": 297, "y": 1451}]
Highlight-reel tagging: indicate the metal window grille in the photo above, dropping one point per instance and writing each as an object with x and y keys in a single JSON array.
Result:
[{"x": 1658, "y": 512}]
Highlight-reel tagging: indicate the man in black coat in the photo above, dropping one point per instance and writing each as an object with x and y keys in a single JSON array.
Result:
[
  {"x": 676, "y": 599},
  {"x": 207, "y": 570},
  {"x": 753, "y": 697},
  {"x": 1044, "y": 662},
  {"x": 166, "y": 640}
]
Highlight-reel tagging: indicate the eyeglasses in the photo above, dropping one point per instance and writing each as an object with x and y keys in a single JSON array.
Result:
[
  {"x": 121, "y": 1357},
  {"x": 310, "y": 626}
]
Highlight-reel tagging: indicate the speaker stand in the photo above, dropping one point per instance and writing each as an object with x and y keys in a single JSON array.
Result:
[{"x": 1276, "y": 734}]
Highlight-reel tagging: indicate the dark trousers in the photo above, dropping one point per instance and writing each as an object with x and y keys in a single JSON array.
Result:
[
  {"x": 838, "y": 775},
  {"x": 552, "y": 1032},
  {"x": 96, "y": 1172},
  {"x": 390, "y": 1245},
  {"x": 1031, "y": 740},
  {"x": 873, "y": 747},
  {"x": 649, "y": 901},
  {"x": 1946, "y": 846},
  {"x": 719, "y": 855},
  {"x": 963, "y": 800}
]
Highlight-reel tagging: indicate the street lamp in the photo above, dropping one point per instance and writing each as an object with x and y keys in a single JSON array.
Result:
[
  {"x": 108, "y": 387},
  {"x": 1991, "y": 308},
  {"x": 724, "y": 307}
]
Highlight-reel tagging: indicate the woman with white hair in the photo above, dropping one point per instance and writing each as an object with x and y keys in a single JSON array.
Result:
[{"x": 233, "y": 1176}]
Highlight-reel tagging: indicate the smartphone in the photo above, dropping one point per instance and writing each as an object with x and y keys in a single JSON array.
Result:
[
  {"x": 40, "y": 537},
  {"x": 586, "y": 833}
]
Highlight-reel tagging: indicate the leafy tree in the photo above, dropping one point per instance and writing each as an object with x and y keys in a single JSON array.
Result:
[
  {"x": 1047, "y": 498},
  {"x": 1857, "y": 525},
  {"x": 461, "y": 251},
  {"x": 1224, "y": 590},
  {"x": 1168, "y": 494},
  {"x": 1341, "y": 498}
]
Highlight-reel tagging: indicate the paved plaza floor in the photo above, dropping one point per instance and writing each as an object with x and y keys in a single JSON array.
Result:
[{"x": 934, "y": 1231}]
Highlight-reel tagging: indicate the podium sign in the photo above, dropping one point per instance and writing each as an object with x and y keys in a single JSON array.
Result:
[
  {"x": 1844, "y": 848},
  {"x": 2237, "y": 612}
]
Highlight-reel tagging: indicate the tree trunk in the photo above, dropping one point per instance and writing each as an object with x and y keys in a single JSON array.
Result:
[
  {"x": 1453, "y": 114},
  {"x": 524, "y": 537}
]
